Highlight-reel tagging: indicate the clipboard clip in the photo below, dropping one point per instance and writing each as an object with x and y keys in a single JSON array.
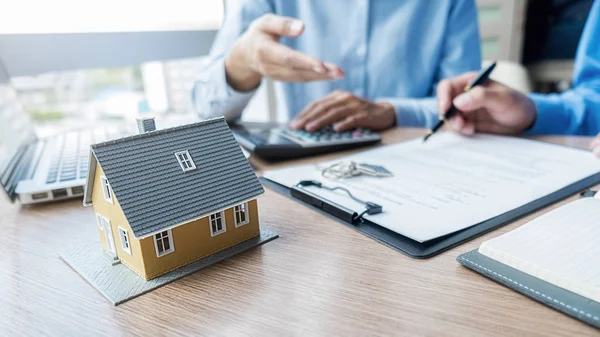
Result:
[
  {"x": 299, "y": 192},
  {"x": 589, "y": 193}
]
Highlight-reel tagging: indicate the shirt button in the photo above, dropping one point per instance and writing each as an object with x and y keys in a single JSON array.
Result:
[{"x": 361, "y": 50}]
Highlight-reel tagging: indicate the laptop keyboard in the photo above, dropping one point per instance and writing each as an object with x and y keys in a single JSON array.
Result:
[{"x": 71, "y": 158}]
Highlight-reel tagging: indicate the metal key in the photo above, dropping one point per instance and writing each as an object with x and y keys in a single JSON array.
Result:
[{"x": 343, "y": 170}]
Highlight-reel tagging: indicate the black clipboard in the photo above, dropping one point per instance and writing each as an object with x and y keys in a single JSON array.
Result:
[{"x": 431, "y": 248}]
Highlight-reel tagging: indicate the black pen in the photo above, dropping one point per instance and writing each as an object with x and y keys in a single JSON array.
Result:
[{"x": 481, "y": 78}]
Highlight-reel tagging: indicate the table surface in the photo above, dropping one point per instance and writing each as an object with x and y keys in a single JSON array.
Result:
[{"x": 318, "y": 278}]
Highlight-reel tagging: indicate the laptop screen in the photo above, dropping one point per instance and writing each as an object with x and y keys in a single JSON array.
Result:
[{"x": 16, "y": 131}]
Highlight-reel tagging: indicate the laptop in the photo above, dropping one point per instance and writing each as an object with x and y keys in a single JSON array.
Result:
[{"x": 35, "y": 170}]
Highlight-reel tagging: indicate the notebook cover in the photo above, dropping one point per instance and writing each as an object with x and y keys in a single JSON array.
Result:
[
  {"x": 546, "y": 293},
  {"x": 431, "y": 248}
]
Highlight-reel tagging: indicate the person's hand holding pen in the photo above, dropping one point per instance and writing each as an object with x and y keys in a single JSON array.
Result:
[
  {"x": 490, "y": 108},
  {"x": 258, "y": 53}
]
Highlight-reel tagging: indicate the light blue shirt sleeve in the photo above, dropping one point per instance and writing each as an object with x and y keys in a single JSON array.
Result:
[
  {"x": 461, "y": 53},
  {"x": 212, "y": 95},
  {"x": 575, "y": 111}
]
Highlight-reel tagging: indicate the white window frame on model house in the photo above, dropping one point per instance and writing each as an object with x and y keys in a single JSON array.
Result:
[
  {"x": 214, "y": 219},
  {"x": 99, "y": 222},
  {"x": 124, "y": 237},
  {"x": 185, "y": 160},
  {"x": 106, "y": 190},
  {"x": 239, "y": 211},
  {"x": 108, "y": 235},
  {"x": 161, "y": 236}
]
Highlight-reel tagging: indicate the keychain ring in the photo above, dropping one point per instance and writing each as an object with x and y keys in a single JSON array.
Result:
[{"x": 340, "y": 170}]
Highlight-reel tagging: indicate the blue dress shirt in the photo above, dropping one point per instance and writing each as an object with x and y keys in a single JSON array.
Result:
[
  {"x": 391, "y": 50},
  {"x": 577, "y": 110}
]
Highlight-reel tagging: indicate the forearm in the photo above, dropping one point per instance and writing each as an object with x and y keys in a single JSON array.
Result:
[
  {"x": 414, "y": 112},
  {"x": 213, "y": 96},
  {"x": 239, "y": 75},
  {"x": 574, "y": 112}
]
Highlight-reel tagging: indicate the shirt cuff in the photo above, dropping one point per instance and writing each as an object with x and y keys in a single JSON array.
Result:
[
  {"x": 414, "y": 112},
  {"x": 551, "y": 117},
  {"x": 213, "y": 96}
]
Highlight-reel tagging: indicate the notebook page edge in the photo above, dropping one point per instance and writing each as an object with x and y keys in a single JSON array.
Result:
[{"x": 488, "y": 249}]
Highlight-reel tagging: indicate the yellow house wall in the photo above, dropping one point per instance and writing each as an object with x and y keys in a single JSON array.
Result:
[
  {"x": 117, "y": 219},
  {"x": 193, "y": 241}
]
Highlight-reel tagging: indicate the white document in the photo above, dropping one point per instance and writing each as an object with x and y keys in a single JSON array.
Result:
[
  {"x": 451, "y": 182},
  {"x": 561, "y": 247}
]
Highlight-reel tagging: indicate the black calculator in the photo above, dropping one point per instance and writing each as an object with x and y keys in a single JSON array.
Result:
[{"x": 280, "y": 142}]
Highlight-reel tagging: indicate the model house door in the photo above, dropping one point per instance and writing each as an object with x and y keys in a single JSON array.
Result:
[{"x": 110, "y": 241}]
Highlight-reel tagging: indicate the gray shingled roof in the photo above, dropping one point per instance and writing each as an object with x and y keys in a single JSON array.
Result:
[{"x": 155, "y": 193}]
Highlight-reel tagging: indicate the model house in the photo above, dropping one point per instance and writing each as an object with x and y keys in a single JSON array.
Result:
[{"x": 165, "y": 198}]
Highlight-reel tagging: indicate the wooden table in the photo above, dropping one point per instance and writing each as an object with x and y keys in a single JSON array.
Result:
[{"x": 318, "y": 278}]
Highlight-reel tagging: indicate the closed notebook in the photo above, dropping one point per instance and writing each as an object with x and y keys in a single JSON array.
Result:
[{"x": 561, "y": 247}]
